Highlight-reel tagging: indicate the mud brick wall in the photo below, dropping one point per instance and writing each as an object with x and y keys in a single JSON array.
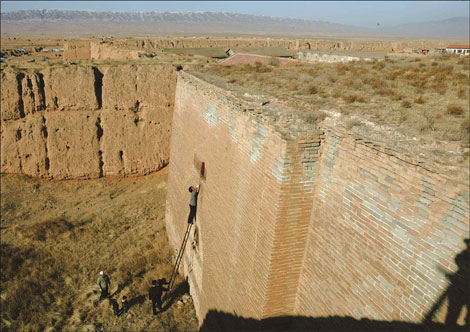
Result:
[
  {"x": 382, "y": 230},
  {"x": 253, "y": 208},
  {"x": 85, "y": 121},
  {"x": 314, "y": 223},
  {"x": 77, "y": 50}
]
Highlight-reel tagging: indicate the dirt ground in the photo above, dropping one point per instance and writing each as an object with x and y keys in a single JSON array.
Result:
[{"x": 57, "y": 235}]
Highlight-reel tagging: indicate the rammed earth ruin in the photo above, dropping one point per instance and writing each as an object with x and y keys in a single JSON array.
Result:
[{"x": 293, "y": 219}]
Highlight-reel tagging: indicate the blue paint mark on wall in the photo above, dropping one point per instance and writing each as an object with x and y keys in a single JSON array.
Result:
[{"x": 211, "y": 115}]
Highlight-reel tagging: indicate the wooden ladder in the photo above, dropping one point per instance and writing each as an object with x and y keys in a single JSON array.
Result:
[{"x": 179, "y": 258}]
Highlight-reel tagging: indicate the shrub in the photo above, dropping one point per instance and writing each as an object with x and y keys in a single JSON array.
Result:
[
  {"x": 351, "y": 98},
  {"x": 350, "y": 83},
  {"x": 352, "y": 123},
  {"x": 260, "y": 68},
  {"x": 440, "y": 88},
  {"x": 463, "y": 60},
  {"x": 379, "y": 65},
  {"x": 50, "y": 228},
  {"x": 419, "y": 100},
  {"x": 314, "y": 117},
  {"x": 396, "y": 96},
  {"x": 312, "y": 89},
  {"x": 461, "y": 77},
  {"x": 336, "y": 94},
  {"x": 419, "y": 83},
  {"x": 454, "y": 109},
  {"x": 274, "y": 62},
  {"x": 403, "y": 115},
  {"x": 405, "y": 104},
  {"x": 462, "y": 93},
  {"x": 465, "y": 126},
  {"x": 384, "y": 92},
  {"x": 341, "y": 69}
]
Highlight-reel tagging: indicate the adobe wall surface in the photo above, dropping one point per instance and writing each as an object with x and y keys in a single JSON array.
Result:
[
  {"x": 345, "y": 44},
  {"x": 83, "y": 49},
  {"x": 86, "y": 122},
  {"x": 315, "y": 223},
  {"x": 251, "y": 230},
  {"x": 251, "y": 59},
  {"x": 77, "y": 50},
  {"x": 88, "y": 49}
]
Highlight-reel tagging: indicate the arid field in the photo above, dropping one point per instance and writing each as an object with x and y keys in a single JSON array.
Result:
[
  {"x": 427, "y": 97},
  {"x": 58, "y": 235}
]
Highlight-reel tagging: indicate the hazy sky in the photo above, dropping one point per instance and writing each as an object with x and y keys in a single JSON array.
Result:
[{"x": 365, "y": 13}]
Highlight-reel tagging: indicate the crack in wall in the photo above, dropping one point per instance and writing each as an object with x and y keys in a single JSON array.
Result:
[
  {"x": 100, "y": 162},
  {"x": 18, "y": 134},
  {"x": 29, "y": 84},
  {"x": 19, "y": 80},
  {"x": 46, "y": 135},
  {"x": 98, "y": 87},
  {"x": 41, "y": 91},
  {"x": 99, "y": 135}
]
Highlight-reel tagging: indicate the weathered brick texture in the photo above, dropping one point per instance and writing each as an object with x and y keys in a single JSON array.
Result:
[
  {"x": 381, "y": 230},
  {"x": 254, "y": 205},
  {"x": 312, "y": 223}
]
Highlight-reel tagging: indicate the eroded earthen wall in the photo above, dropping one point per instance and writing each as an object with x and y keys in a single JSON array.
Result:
[
  {"x": 77, "y": 50},
  {"x": 86, "y": 122}
]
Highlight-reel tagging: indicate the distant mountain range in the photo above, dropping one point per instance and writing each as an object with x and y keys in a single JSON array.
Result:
[{"x": 74, "y": 23}]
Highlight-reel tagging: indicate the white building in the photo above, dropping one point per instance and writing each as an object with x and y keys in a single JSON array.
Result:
[{"x": 458, "y": 49}]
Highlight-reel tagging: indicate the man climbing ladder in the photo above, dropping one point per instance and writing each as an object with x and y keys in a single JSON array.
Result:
[
  {"x": 193, "y": 203},
  {"x": 192, "y": 215}
]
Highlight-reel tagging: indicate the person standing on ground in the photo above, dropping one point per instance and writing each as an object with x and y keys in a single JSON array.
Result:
[
  {"x": 125, "y": 305},
  {"x": 103, "y": 283},
  {"x": 155, "y": 294},
  {"x": 193, "y": 203}
]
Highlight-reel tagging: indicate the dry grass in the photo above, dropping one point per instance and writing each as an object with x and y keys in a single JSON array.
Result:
[
  {"x": 352, "y": 123},
  {"x": 419, "y": 100},
  {"x": 406, "y": 104},
  {"x": 455, "y": 110},
  {"x": 57, "y": 236},
  {"x": 314, "y": 117},
  {"x": 312, "y": 89},
  {"x": 352, "y": 98},
  {"x": 374, "y": 90}
]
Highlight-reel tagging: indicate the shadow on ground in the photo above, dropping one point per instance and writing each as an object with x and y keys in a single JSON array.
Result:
[
  {"x": 169, "y": 298},
  {"x": 221, "y": 321}
]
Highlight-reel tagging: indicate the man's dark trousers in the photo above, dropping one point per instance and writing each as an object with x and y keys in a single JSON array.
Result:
[
  {"x": 192, "y": 214},
  {"x": 104, "y": 294}
]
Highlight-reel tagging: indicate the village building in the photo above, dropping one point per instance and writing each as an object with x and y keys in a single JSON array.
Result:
[
  {"x": 329, "y": 57},
  {"x": 458, "y": 49}
]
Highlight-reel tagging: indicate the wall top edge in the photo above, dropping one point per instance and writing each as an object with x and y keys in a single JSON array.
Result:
[
  {"x": 446, "y": 158},
  {"x": 281, "y": 118}
]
